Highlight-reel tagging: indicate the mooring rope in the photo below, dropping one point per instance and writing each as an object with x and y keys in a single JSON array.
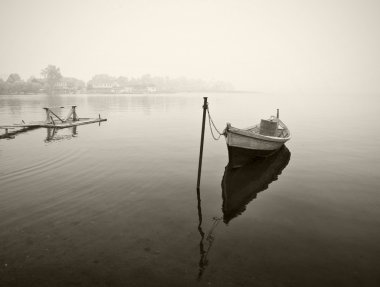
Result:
[{"x": 210, "y": 121}]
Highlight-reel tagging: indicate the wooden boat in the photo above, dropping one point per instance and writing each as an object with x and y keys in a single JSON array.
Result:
[
  {"x": 241, "y": 185},
  {"x": 257, "y": 141}
]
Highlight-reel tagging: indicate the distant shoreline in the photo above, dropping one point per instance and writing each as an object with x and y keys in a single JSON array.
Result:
[{"x": 136, "y": 93}]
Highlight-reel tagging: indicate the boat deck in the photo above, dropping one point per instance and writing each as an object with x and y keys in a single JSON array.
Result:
[{"x": 281, "y": 132}]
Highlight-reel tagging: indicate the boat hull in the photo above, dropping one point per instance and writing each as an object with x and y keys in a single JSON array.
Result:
[
  {"x": 244, "y": 146},
  {"x": 238, "y": 156},
  {"x": 248, "y": 140}
]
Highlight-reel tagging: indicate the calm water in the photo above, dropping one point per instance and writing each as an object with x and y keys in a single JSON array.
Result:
[{"x": 116, "y": 204}]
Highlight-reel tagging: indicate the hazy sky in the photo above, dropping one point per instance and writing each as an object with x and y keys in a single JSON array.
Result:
[{"x": 264, "y": 45}]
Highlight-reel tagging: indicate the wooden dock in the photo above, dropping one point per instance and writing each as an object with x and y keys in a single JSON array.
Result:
[
  {"x": 52, "y": 121},
  {"x": 11, "y": 132},
  {"x": 57, "y": 125}
]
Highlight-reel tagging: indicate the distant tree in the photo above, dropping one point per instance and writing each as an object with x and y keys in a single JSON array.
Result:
[
  {"x": 89, "y": 85},
  {"x": 12, "y": 78},
  {"x": 52, "y": 75},
  {"x": 74, "y": 84},
  {"x": 34, "y": 85},
  {"x": 102, "y": 78},
  {"x": 122, "y": 81},
  {"x": 19, "y": 87},
  {"x": 146, "y": 80},
  {"x": 2, "y": 86}
]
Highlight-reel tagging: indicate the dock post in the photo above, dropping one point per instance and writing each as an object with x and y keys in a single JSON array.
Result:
[
  {"x": 205, "y": 106},
  {"x": 6, "y": 131},
  {"x": 47, "y": 114},
  {"x": 75, "y": 117},
  {"x": 278, "y": 113}
]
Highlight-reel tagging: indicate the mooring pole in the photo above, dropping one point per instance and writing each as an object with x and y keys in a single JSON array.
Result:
[{"x": 205, "y": 106}]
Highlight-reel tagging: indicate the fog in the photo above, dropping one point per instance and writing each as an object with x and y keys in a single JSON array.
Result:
[{"x": 278, "y": 46}]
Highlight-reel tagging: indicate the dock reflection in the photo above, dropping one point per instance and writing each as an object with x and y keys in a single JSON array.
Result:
[
  {"x": 55, "y": 134},
  {"x": 241, "y": 185}
]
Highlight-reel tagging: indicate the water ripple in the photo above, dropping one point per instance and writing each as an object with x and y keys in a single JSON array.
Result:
[{"x": 61, "y": 159}]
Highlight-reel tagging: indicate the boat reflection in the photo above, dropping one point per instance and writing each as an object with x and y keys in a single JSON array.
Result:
[
  {"x": 55, "y": 134},
  {"x": 241, "y": 185}
]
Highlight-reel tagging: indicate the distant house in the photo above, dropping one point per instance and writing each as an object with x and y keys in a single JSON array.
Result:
[
  {"x": 126, "y": 90},
  {"x": 106, "y": 85},
  {"x": 103, "y": 84},
  {"x": 151, "y": 89},
  {"x": 61, "y": 85},
  {"x": 142, "y": 89},
  {"x": 69, "y": 85}
]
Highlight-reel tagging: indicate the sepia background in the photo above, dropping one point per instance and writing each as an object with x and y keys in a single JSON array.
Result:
[{"x": 115, "y": 204}]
